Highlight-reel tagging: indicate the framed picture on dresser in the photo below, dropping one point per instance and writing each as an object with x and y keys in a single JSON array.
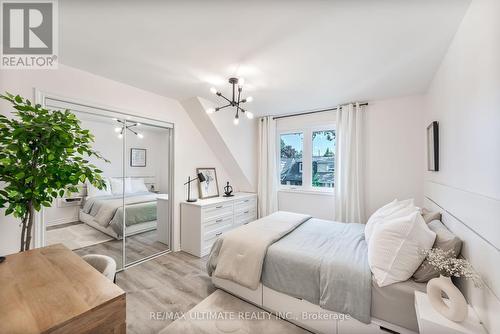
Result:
[{"x": 210, "y": 187}]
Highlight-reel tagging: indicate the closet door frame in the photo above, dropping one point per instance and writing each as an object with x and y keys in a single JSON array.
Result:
[{"x": 54, "y": 101}]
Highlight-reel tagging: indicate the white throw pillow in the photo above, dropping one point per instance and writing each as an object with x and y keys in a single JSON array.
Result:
[
  {"x": 138, "y": 185},
  {"x": 94, "y": 191},
  {"x": 395, "y": 248},
  {"x": 117, "y": 185},
  {"x": 384, "y": 212}
]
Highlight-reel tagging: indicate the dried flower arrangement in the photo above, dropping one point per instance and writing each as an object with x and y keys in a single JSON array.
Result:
[{"x": 447, "y": 265}]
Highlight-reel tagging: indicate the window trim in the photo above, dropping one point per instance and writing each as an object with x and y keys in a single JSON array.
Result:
[
  {"x": 306, "y": 186},
  {"x": 278, "y": 150}
]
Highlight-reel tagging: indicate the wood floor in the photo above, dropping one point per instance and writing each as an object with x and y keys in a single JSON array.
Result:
[
  {"x": 137, "y": 246},
  {"x": 174, "y": 282}
]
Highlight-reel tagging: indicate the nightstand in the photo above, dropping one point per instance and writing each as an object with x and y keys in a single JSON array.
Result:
[{"x": 432, "y": 322}]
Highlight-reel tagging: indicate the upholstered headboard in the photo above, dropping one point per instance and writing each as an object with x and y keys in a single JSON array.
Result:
[{"x": 476, "y": 220}]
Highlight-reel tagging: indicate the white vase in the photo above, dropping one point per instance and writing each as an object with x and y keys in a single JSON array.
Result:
[{"x": 456, "y": 308}]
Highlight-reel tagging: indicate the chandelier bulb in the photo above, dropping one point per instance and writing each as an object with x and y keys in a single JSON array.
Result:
[
  {"x": 249, "y": 114},
  {"x": 140, "y": 135},
  {"x": 236, "y": 121},
  {"x": 213, "y": 90},
  {"x": 210, "y": 110},
  {"x": 118, "y": 129},
  {"x": 249, "y": 99}
]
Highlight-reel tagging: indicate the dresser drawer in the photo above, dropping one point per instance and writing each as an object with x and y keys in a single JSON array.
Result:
[
  {"x": 210, "y": 237},
  {"x": 245, "y": 217},
  {"x": 217, "y": 222},
  {"x": 217, "y": 210},
  {"x": 244, "y": 204},
  {"x": 204, "y": 221}
]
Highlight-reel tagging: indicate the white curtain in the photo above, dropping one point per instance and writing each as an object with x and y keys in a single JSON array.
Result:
[
  {"x": 349, "y": 206},
  {"x": 267, "y": 186}
]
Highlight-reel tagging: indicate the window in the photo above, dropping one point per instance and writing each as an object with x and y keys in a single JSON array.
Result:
[
  {"x": 323, "y": 158},
  {"x": 307, "y": 158},
  {"x": 291, "y": 145}
]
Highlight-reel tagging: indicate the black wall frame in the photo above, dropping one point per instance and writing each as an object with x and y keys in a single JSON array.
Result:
[{"x": 433, "y": 147}]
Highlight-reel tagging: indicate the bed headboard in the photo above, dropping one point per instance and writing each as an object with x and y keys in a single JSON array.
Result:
[
  {"x": 148, "y": 181},
  {"x": 476, "y": 220}
]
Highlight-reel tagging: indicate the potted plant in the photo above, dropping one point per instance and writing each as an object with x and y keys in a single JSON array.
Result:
[
  {"x": 43, "y": 155},
  {"x": 448, "y": 266}
]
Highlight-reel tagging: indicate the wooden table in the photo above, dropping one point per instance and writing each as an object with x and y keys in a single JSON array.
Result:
[{"x": 52, "y": 290}]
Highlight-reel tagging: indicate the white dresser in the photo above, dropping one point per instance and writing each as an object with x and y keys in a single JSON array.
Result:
[{"x": 202, "y": 222}]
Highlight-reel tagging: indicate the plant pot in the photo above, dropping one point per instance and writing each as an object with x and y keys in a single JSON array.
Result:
[{"x": 456, "y": 308}]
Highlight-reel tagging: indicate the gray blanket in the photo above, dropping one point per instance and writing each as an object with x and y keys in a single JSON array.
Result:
[
  {"x": 322, "y": 262},
  {"x": 108, "y": 210}
]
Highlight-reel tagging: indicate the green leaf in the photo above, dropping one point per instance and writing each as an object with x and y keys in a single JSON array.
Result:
[{"x": 41, "y": 154}]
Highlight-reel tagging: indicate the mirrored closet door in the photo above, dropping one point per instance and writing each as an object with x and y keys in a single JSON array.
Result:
[
  {"x": 129, "y": 220},
  {"x": 146, "y": 190}
]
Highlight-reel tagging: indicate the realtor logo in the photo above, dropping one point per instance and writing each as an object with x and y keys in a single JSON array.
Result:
[{"x": 29, "y": 38}]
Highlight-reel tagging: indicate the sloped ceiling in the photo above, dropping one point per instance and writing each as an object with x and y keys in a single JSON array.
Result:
[{"x": 294, "y": 55}]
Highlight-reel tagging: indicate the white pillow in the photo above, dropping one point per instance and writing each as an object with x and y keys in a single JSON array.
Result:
[
  {"x": 117, "y": 185},
  {"x": 384, "y": 212},
  {"x": 94, "y": 191},
  {"x": 395, "y": 248},
  {"x": 138, "y": 186}
]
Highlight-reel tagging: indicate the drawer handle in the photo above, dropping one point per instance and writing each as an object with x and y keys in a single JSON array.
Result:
[
  {"x": 218, "y": 207},
  {"x": 218, "y": 220},
  {"x": 245, "y": 212},
  {"x": 247, "y": 200},
  {"x": 218, "y": 234}
]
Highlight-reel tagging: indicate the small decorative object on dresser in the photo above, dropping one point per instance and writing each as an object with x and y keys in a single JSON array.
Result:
[
  {"x": 204, "y": 221},
  {"x": 448, "y": 266},
  {"x": 228, "y": 190},
  {"x": 209, "y": 187}
]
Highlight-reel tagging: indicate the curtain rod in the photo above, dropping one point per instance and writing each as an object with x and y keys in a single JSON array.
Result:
[{"x": 313, "y": 112}]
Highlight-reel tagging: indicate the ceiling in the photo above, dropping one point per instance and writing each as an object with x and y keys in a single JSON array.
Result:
[{"x": 294, "y": 55}]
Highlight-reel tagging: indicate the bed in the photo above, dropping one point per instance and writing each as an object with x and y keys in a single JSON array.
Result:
[
  {"x": 296, "y": 279},
  {"x": 105, "y": 213}
]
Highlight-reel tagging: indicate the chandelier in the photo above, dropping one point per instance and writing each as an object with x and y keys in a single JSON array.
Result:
[
  {"x": 127, "y": 126},
  {"x": 236, "y": 101}
]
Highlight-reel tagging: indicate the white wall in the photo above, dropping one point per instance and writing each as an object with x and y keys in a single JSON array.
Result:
[
  {"x": 107, "y": 143},
  {"x": 241, "y": 139},
  {"x": 395, "y": 143},
  {"x": 394, "y": 157},
  {"x": 191, "y": 150},
  {"x": 465, "y": 98},
  {"x": 226, "y": 144}
]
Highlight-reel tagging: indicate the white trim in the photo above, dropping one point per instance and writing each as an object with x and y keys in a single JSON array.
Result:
[
  {"x": 307, "y": 144},
  {"x": 64, "y": 220},
  {"x": 473, "y": 218},
  {"x": 60, "y": 102},
  {"x": 330, "y": 192}
]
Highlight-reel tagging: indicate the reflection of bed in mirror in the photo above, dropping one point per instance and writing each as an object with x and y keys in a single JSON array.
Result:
[{"x": 104, "y": 210}]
